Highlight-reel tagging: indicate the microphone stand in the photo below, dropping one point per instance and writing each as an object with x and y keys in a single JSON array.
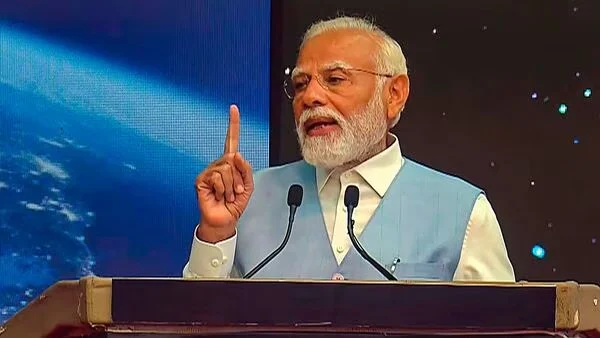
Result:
[
  {"x": 362, "y": 251},
  {"x": 294, "y": 200}
]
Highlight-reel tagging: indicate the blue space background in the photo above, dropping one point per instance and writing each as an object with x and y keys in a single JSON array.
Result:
[{"x": 108, "y": 111}]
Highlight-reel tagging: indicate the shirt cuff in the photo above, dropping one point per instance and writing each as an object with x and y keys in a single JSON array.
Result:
[{"x": 210, "y": 260}]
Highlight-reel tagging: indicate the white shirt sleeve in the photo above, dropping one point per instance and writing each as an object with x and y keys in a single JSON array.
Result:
[
  {"x": 210, "y": 260},
  {"x": 484, "y": 256}
]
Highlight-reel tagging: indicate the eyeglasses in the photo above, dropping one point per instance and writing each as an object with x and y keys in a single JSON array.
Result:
[{"x": 338, "y": 80}]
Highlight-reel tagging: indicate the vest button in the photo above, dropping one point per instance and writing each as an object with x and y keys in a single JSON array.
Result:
[
  {"x": 340, "y": 248},
  {"x": 337, "y": 276}
]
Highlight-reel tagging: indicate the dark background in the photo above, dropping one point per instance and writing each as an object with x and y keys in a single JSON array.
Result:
[{"x": 471, "y": 112}]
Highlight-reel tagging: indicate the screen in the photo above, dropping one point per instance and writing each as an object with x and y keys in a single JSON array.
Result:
[{"x": 108, "y": 112}]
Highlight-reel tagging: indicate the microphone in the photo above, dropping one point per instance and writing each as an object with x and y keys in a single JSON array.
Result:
[
  {"x": 294, "y": 199},
  {"x": 351, "y": 202}
]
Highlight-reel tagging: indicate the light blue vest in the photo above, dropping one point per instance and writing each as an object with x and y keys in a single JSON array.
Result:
[{"x": 421, "y": 221}]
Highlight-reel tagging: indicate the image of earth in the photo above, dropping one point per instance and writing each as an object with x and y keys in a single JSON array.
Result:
[
  {"x": 99, "y": 151},
  {"x": 82, "y": 195}
]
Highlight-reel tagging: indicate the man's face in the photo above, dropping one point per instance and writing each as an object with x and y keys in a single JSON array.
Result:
[{"x": 340, "y": 114}]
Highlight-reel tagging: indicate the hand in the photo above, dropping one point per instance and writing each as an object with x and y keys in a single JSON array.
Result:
[{"x": 224, "y": 188}]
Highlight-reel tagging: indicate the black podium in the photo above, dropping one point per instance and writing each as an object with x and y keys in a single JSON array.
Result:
[{"x": 152, "y": 308}]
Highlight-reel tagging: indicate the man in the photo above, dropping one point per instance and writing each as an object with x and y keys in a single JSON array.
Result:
[{"x": 348, "y": 88}]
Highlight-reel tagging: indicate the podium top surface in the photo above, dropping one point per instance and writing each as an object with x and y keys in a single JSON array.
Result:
[{"x": 186, "y": 306}]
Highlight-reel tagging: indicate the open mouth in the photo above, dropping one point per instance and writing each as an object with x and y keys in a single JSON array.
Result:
[{"x": 319, "y": 125}]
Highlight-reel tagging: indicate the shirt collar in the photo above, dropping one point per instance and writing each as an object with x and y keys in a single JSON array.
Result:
[{"x": 379, "y": 171}]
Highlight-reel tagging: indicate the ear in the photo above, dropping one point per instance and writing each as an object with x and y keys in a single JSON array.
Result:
[{"x": 398, "y": 95}]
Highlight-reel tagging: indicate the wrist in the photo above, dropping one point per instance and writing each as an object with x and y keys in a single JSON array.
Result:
[{"x": 212, "y": 234}]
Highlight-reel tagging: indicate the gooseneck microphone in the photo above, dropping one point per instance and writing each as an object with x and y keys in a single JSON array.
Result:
[
  {"x": 294, "y": 199},
  {"x": 351, "y": 202}
]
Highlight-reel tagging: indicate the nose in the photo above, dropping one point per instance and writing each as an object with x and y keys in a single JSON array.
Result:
[{"x": 314, "y": 95}]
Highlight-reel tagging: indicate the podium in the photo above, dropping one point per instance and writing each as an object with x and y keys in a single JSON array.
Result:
[{"x": 152, "y": 308}]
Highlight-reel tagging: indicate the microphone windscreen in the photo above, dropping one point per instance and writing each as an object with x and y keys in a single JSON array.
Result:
[
  {"x": 295, "y": 195},
  {"x": 351, "y": 196}
]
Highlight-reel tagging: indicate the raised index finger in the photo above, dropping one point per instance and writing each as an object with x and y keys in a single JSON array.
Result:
[{"x": 233, "y": 131}]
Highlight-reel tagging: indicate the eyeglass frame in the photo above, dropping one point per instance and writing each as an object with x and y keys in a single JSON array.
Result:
[{"x": 330, "y": 68}]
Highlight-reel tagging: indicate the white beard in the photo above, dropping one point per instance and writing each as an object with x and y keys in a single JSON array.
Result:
[{"x": 356, "y": 141}]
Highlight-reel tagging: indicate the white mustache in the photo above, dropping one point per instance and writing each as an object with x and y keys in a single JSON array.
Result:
[{"x": 320, "y": 112}]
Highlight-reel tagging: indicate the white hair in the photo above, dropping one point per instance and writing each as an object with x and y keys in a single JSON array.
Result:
[{"x": 390, "y": 59}]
